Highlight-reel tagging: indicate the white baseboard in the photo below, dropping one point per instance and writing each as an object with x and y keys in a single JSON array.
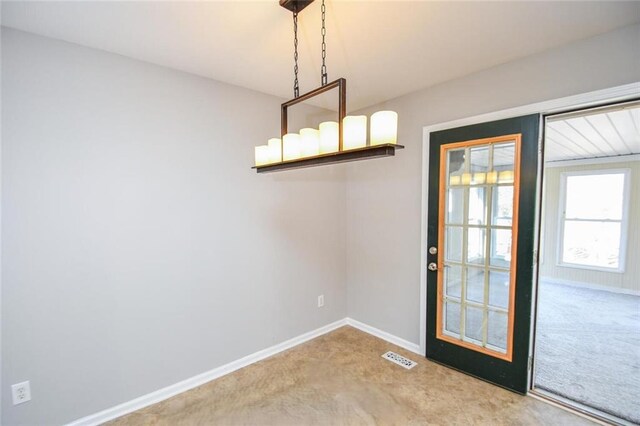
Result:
[
  {"x": 200, "y": 379},
  {"x": 384, "y": 336}
]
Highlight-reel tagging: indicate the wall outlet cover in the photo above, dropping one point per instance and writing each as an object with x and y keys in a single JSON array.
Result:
[
  {"x": 321, "y": 301},
  {"x": 21, "y": 392}
]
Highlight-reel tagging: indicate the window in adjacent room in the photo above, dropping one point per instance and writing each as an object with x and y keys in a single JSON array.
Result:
[{"x": 593, "y": 219}]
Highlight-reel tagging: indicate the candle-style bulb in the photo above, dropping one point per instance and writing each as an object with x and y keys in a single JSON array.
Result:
[
  {"x": 291, "y": 146},
  {"x": 329, "y": 140},
  {"x": 275, "y": 150},
  {"x": 310, "y": 142},
  {"x": 354, "y": 131},
  {"x": 384, "y": 128}
]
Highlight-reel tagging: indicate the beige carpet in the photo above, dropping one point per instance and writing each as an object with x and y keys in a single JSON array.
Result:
[
  {"x": 588, "y": 348},
  {"x": 341, "y": 379}
]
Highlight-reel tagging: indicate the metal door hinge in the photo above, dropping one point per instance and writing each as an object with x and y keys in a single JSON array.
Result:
[{"x": 530, "y": 363}]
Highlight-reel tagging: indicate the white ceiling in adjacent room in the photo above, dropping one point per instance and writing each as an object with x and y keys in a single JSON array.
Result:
[
  {"x": 384, "y": 48},
  {"x": 594, "y": 134}
]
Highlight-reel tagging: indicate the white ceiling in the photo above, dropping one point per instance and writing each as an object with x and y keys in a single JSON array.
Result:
[
  {"x": 384, "y": 48},
  {"x": 593, "y": 134}
]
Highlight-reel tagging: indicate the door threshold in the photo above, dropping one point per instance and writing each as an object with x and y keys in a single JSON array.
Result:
[{"x": 577, "y": 408}]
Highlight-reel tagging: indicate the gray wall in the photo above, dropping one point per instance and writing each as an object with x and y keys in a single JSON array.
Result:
[
  {"x": 139, "y": 249},
  {"x": 629, "y": 280},
  {"x": 384, "y": 196}
]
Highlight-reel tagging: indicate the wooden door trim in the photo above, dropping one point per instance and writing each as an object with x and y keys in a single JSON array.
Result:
[{"x": 517, "y": 138}]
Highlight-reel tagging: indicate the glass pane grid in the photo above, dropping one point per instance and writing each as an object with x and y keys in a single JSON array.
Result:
[{"x": 478, "y": 223}]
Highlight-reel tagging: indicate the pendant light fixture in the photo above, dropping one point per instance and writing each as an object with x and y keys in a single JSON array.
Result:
[{"x": 334, "y": 141}]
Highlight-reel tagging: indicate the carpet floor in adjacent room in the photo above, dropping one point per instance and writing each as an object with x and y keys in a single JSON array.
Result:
[
  {"x": 588, "y": 347},
  {"x": 341, "y": 379}
]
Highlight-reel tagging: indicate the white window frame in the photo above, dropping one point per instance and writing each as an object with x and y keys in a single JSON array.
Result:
[{"x": 624, "y": 222}]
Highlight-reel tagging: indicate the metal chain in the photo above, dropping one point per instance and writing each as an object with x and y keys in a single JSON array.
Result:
[
  {"x": 323, "y": 69},
  {"x": 296, "y": 86}
]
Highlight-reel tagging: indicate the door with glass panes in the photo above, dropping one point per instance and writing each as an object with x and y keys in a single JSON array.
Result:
[{"x": 482, "y": 197}]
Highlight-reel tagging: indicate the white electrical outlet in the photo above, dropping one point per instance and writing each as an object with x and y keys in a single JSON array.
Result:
[
  {"x": 321, "y": 301},
  {"x": 21, "y": 392}
]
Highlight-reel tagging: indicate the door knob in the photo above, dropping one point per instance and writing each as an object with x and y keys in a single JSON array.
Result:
[
  {"x": 433, "y": 250},
  {"x": 433, "y": 266}
]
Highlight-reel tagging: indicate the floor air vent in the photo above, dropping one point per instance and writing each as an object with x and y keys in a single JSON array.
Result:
[{"x": 400, "y": 360}]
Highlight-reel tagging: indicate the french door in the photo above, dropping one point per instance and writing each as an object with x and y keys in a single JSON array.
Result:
[{"x": 482, "y": 199}]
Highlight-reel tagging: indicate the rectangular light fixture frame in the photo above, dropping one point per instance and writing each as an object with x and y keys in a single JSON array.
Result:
[{"x": 341, "y": 84}]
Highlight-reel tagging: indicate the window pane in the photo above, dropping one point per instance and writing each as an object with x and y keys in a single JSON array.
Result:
[
  {"x": 504, "y": 156},
  {"x": 452, "y": 318},
  {"x": 473, "y": 323},
  {"x": 500, "y": 248},
  {"x": 595, "y": 196},
  {"x": 479, "y": 159},
  {"x": 497, "y": 330},
  {"x": 453, "y": 280},
  {"x": 502, "y": 205},
  {"x": 477, "y": 206},
  {"x": 475, "y": 245},
  {"x": 475, "y": 285},
  {"x": 455, "y": 203},
  {"x": 499, "y": 289},
  {"x": 453, "y": 243},
  {"x": 455, "y": 166},
  {"x": 591, "y": 243}
]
